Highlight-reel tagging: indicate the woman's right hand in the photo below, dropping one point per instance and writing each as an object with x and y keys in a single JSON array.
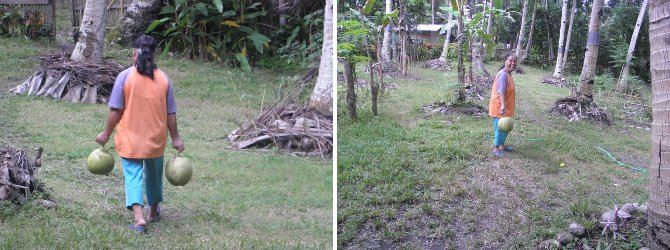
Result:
[
  {"x": 178, "y": 144},
  {"x": 102, "y": 138},
  {"x": 502, "y": 110}
]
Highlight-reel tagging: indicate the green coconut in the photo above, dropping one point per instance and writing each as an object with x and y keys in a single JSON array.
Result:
[
  {"x": 505, "y": 124},
  {"x": 178, "y": 171},
  {"x": 100, "y": 162}
]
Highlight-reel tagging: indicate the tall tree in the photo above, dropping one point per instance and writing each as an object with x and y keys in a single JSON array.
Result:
[
  {"x": 558, "y": 69},
  {"x": 322, "y": 96},
  {"x": 92, "y": 32},
  {"x": 622, "y": 86},
  {"x": 461, "y": 44},
  {"x": 524, "y": 11},
  {"x": 529, "y": 45},
  {"x": 585, "y": 89},
  {"x": 433, "y": 9},
  {"x": 659, "y": 174},
  {"x": 386, "y": 42},
  {"x": 490, "y": 24},
  {"x": 567, "y": 39},
  {"x": 445, "y": 48},
  {"x": 138, "y": 17},
  {"x": 475, "y": 51},
  {"x": 404, "y": 36}
]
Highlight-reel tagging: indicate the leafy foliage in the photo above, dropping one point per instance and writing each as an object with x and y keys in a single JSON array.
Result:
[{"x": 16, "y": 22}]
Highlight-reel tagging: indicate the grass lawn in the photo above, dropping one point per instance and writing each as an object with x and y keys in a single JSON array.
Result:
[
  {"x": 236, "y": 199},
  {"x": 408, "y": 181}
]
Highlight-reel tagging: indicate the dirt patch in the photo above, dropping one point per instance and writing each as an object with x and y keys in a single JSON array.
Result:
[
  {"x": 464, "y": 108},
  {"x": 575, "y": 109},
  {"x": 366, "y": 84},
  {"x": 437, "y": 64},
  {"x": 559, "y": 82}
]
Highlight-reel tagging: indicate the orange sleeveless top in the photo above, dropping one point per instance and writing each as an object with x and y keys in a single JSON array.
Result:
[
  {"x": 142, "y": 130},
  {"x": 494, "y": 102}
]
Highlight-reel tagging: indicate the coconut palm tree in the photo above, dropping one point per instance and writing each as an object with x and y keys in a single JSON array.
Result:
[
  {"x": 139, "y": 15},
  {"x": 524, "y": 11},
  {"x": 92, "y": 32},
  {"x": 386, "y": 42},
  {"x": 558, "y": 70},
  {"x": 567, "y": 39},
  {"x": 530, "y": 34},
  {"x": 322, "y": 96},
  {"x": 622, "y": 86},
  {"x": 585, "y": 89},
  {"x": 659, "y": 176},
  {"x": 445, "y": 48}
]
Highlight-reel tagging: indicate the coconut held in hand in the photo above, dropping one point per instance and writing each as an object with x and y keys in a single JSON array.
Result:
[
  {"x": 505, "y": 124},
  {"x": 100, "y": 162},
  {"x": 178, "y": 171}
]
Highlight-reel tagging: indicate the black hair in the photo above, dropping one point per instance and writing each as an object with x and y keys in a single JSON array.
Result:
[
  {"x": 507, "y": 56},
  {"x": 145, "y": 58}
]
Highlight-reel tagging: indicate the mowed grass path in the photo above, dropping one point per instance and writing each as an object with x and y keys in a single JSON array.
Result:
[
  {"x": 235, "y": 199},
  {"x": 407, "y": 181}
]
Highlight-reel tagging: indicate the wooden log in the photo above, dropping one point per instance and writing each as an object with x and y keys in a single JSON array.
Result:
[
  {"x": 90, "y": 95},
  {"x": 35, "y": 83},
  {"x": 56, "y": 91},
  {"x": 73, "y": 94},
  {"x": 47, "y": 84}
]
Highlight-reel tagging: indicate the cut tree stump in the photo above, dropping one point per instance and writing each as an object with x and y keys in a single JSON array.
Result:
[{"x": 18, "y": 174}]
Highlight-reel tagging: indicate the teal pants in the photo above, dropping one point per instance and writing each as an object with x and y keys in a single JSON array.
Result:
[
  {"x": 137, "y": 170},
  {"x": 500, "y": 137}
]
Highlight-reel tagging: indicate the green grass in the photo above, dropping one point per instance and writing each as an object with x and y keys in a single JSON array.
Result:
[
  {"x": 235, "y": 199},
  {"x": 408, "y": 181}
]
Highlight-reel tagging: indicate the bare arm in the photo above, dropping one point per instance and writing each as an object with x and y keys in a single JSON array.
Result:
[
  {"x": 112, "y": 120},
  {"x": 502, "y": 103},
  {"x": 177, "y": 142}
]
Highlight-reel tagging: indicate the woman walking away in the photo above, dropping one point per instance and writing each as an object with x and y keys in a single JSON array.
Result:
[
  {"x": 501, "y": 103},
  {"x": 143, "y": 110}
]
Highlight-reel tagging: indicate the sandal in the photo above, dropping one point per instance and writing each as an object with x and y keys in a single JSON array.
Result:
[
  {"x": 508, "y": 149},
  {"x": 498, "y": 153},
  {"x": 138, "y": 228},
  {"x": 155, "y": 219}
]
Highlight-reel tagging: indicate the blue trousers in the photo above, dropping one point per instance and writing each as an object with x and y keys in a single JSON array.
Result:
[
  {"x": 500, "y": 137},
  {"x": 134, "y": 171}
]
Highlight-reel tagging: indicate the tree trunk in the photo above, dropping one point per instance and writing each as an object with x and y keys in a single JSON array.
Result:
[
  {"x": 351, "y": 87},
  {"x": 402, "y": 24},
  {"x": 623, "y": 78},
  {"x": 374, "y": 89},
  {"x": 659, "y": 174},
  {"x": 519, "y": 42},
  {"x": 282, "y": 18},
  {"x": 445, "y": 49},
  {"x": 475, "y": 53},
  {"x": 92, "y": 32},
  {"x": 549, "y": 41},
  {"x": 322, "y": 96},
  {"x": 558, "y": 69},
  {"x": 567, "y": 39},
  {"x": 585, "y": 89},
  {"x": 490, "y": 24},
  {"x": 433, "y": 9},
  {"x": 138, "y": 17},
  {"x": 529, "y": 45},
  {"x": 461, "y": 44},
  {"x": 386, "y": 55}
]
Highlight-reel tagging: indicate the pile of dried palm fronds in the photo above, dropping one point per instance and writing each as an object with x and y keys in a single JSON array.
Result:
[
  {"x": 60, "y": 77},
  {"x": 289, "y": 127},
  {"x": 18, "y": 174},
  {"x": 462, "y": 108},
  {"x": 575, "y": 109},
  {"x": 437, "y": 64},
  {"x": 560, "y": 82}
]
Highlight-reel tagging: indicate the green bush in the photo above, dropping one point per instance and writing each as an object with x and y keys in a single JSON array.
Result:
[{"x": 16, "y": 22}]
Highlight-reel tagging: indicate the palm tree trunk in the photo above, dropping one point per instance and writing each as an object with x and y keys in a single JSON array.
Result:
[
  {"x": 350, "y": 79},
  {"x": 567, "y": 39},
  {"x": 138, "y": 17},
  {"x": 433, "y": 9},
  {"x": 585, "y": 89},
  {"x": 623, "y": 78},
  {"x": 558, "y": 69},
  {"x": 402, "y": 24},
  {"x": 475, "y": 53},
  {"x": 322, "y": 96},
  {"x": 523, "y": 28},
  {"x": 92, "y": 32},
  {"x": 659, "y": 174},
  {"x": 461, "y": 44},
  {"x": 490, "y": 24},
  {"x": 386, "y": 43},
  {"x": 529, "y": 45},
  {"x": 445, "y": 48}
]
